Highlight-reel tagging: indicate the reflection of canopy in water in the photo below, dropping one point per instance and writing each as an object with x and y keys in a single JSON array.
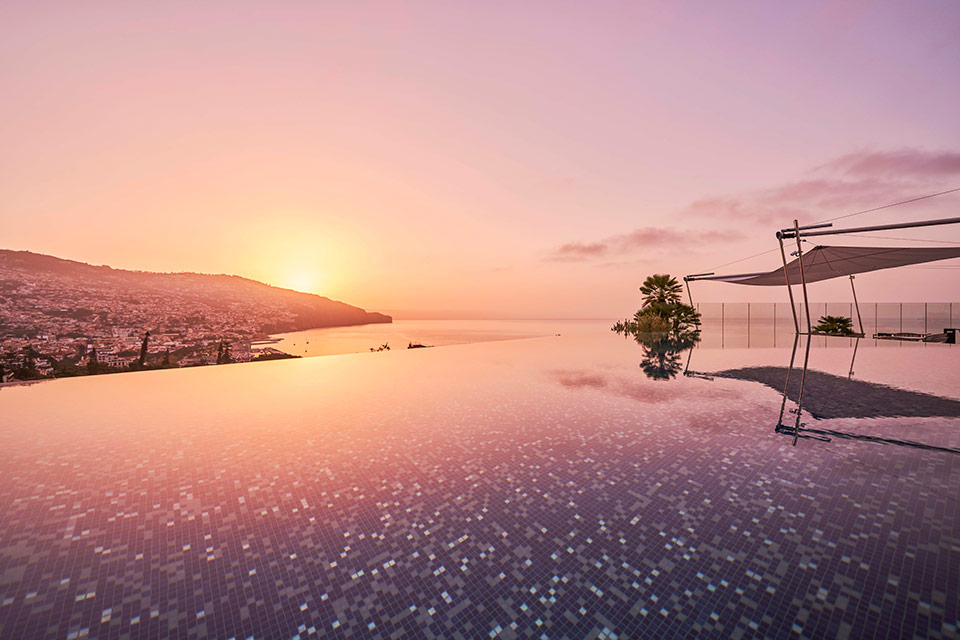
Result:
[
  {"x": 823, "y": 263},
  {"x": 830, "y": 396}
]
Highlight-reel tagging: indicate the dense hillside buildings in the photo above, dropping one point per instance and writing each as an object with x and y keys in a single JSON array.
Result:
[{"x": 55, "y": 313}]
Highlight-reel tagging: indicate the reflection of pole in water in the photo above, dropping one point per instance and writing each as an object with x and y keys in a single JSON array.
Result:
[
  {"x": 856, "y": 343},
  {"x": 803, "y": 378},
  {"x": 786, "y": 383}
]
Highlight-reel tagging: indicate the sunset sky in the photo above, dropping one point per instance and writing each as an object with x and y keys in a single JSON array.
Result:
[{"x": 530, "y": 159}]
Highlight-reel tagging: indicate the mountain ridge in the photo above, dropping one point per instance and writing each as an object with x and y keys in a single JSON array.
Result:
[{"x": 54, "y": 282}]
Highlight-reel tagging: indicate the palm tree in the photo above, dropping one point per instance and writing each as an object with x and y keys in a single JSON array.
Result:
[
  {"x": 660, "y": 288},
  {"x": 835, "y": 325}
]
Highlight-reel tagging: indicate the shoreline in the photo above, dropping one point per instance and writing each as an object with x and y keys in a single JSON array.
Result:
[{"x": 286, "y": 356}]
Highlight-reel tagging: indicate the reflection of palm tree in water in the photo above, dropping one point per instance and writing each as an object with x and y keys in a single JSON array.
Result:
[
  {"x": 660, "y": 362},
  {"x": 661, "y": 354}
]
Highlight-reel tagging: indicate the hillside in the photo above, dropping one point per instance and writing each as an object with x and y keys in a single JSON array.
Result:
[{"x": 57, "y": 297}]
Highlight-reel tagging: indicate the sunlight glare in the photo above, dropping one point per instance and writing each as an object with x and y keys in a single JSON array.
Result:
[{"x": 303, "y": 281}]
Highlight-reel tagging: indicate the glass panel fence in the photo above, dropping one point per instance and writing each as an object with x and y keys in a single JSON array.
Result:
[{"x": 768, "y": 324}]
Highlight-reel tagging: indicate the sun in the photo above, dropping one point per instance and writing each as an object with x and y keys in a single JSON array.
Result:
[{"x": 303, "y": 281}]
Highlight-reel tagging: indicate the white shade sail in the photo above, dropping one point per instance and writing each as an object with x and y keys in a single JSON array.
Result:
[{"x": 823, "y": 263}]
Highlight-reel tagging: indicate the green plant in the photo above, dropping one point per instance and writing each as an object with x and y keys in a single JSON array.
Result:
[
  {"x": 660, "y": 288},
  {"x": 652, "y": 323},
  {"x": 835, "y": 325},
  {"x": 663, "y": 326},
  {"x": 675, "y": 319}
]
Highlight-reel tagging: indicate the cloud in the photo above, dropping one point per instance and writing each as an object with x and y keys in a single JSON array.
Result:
[
  {"x": 849, "y": 182},
  {"x": 639, "y": 239},
  {"x": 799, "y": 200},
  {"x": 576, "y": 251},
  {"x": 896, "y": 164}
]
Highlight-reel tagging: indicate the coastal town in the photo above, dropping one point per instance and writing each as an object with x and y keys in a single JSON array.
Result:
[
  {"x": 103, "y": 330},
  {"x": 59, "y": 318}
]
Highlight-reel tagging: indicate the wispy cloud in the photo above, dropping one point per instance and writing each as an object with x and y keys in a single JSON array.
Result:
[
  {"x": 637, "y": 240},
  {"x": 851, "y": 181},
  {"x": 841, "y": 185},
  {"x": 896, "y": 164}
]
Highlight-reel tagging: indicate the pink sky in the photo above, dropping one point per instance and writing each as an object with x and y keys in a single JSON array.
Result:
[{"x": 527, "y": 160}]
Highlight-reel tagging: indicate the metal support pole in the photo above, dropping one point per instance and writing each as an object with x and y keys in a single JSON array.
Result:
[
  {"x": 686, "y": 283},
  {"x": 924, "y": 317},
  {"x": 859, "y": 318},
  {"x": 748, "y": 325},
  {"x": 882, "y": 227},
  {"x": 786, "y": 276},
  {"x": 803, "y": 280}
]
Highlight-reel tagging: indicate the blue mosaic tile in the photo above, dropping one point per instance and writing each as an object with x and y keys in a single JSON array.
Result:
[{"x": 540, "y": 489}]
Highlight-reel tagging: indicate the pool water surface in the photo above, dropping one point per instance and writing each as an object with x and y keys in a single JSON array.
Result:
[{"x": 545, "y": 488}]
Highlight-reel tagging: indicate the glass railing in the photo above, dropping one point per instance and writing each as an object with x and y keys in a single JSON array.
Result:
[{"x": 768, "y": 324}]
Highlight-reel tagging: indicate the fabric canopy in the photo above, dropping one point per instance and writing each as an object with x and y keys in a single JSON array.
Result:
[{"x": 823, "y": 263}]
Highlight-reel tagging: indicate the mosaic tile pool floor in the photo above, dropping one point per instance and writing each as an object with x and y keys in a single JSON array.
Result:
[{"x": 541, "y": 488}]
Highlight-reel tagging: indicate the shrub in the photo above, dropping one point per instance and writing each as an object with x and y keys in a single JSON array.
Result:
[
  {"x": 651, "y": 323},
  {"x": 835, "y": 325}
]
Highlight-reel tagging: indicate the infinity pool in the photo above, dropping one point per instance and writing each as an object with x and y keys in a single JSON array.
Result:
[{"x": 541, "y": 488}]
